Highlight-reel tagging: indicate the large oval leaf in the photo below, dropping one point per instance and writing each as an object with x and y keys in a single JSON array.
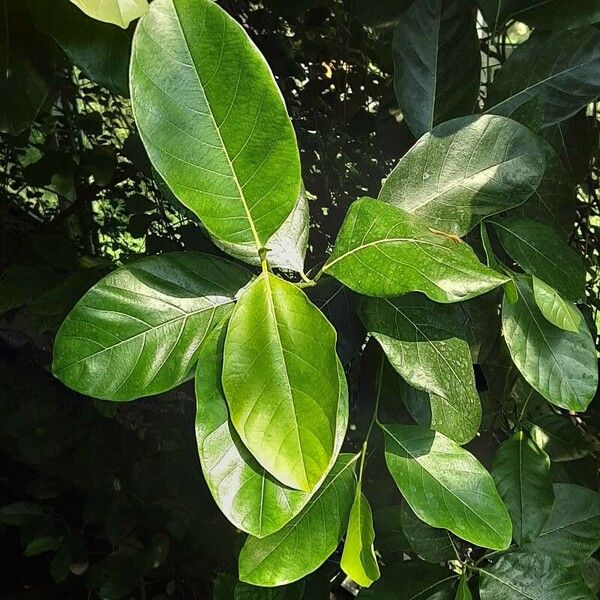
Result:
[
  {"x": 556, "y": 74},
  {"x": 437, "y": 63},
  {"x": 561, "y": 365},
  {"x": 249, "y": 497},
  {"x": 304, "y": 544},
  {"x": 522, "y": 474},
  {"x": 424, "y": 343},
  {"x": 213, "y": 120},
  {"x": 520, "y": 576},
  {"x": 539, "y": 250},
  {"x": 446, "y": 486},
  {"x": 137, "y": 331},
  {"x": 280, "y": 380},
  {"x": 118, "y": 12},
  {"x": 464, "y": 170},
  {"x": 383, "y": 251},
  {"x": 572, "y": 532}
]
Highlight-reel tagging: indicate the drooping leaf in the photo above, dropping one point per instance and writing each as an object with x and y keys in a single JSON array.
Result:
[
  {"x": 137, "y": 331},
  {"x": 465, "y": 170},
  {"x": 432, "y": 40},
  {"x": 480, "y": 324},
  {"x": 572, "y": 532},
  {"x": 560, "y": 14},
  {"x": 522, "y": 474},
  {"x": 305, "y": 543},
  {"x": 539, "y": 250},
  {"x": 557, "y": 72},
  {"x": 413, "y": 580},
  {"x": 554, "y": 307},
  {"x": 522, "y": 576},
  {"x": 118, "y": 12},
  {"x": 561, "y": 365},
  {"x": 446, "y": 486},
  {"x": 559, "y": 438},
  {"x": 280, "y": 381},
  {"x": 358, "y": 558},
  {"x": 463, "y": 592},
  {"x": 424, "y": 342},
  {"x": 431, "y": 544},
  {"x": 249, "y": 497},
  {"x": 213, "y": 120},
  {"x": 383, "y": 251}
]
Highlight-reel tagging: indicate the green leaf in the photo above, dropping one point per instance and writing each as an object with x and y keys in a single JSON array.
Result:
[
  {"x": 431, "y": 544},
  {"x": 590, "y": 572},
  {"x": 61, "y": 563},
  {"x": 432, "y": 39},
  {"x": 358, "y": 558},
  {"x": 537, "y": 74},
  {"x": 559, "y": 438},
  {"x": 118, "y": 12},
  {"x": 244, "y": 591},
  {"x": 280, "y": 381},
  {"x": 100, "y": 50},
  {"x": 521, "y": 576},
  {"x": 561, "y": 365},
  {"x": 539, "y": 250},
  {"x": 42, "y": 544},
  {"x": 561, "y": 14},
  {"x": 137, "y": 331},
  {"x": 555, "y": 308},
  {"x": 303, "y": 545},
  {"x": 213, "y": 120},
  {"x": 19, "y": 513},
  {"x": 463, "y": 592},
  {"x": 424, "y": 342},
  {"x": 572, "y": 532},
  {"x": 249, "y": 497},
  {"x": 522, "y": 474},
  {"x": 383, "y": 251},
  {"x": 465, "y": 170},
  {"x": 446, "y": 486},
  {"x": 413, "y": 580}
]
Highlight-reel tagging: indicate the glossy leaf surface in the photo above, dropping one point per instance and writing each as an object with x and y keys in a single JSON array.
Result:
[
  {"x": 465, "y": 170},
  {"x": 137, "y": 331},
  {"x": 424, "y": 343},
  {"x": 213, "y": 120},
  {"x": 118, "y": 12},
  {"x": 436, "y": 63},
  {"x": 446, "y": 486},
  {"x": 248, "y": 496},
  {"x": 383, "y": 251},
  {"x": 560, "y": 365},
  {"x": 522, "y": 474},
  {"x": 304, "y": 544},
  {"x": 280, "y": 381},
  {"x": 554, "y": 307},
  {"x": 559, "y": 438}
]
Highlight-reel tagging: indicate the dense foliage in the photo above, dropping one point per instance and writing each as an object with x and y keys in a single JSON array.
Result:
[{"x": 370, "y": 240}]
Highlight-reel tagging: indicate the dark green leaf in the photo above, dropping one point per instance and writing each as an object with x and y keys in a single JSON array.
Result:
[
  {"x": 21, "y": 512},
  {"x": 213, "y": 121},
  {"x": 61, "y": 563},
  {"x": 431, "y": 544},
  {"x": 463, "y": 592},
  {"x": 42, "y": 544},
  {"x": 137, "y": 331},
  {"x": 559, "y": 438},
  {"x": 383, "y": 251},
  {"x": 244, "y": 591},
  {"x": 522, "y": 474},
  {"x": 446, "y": 486},
  {"x": 560, "y": 14},
  {"x": 464, "y": 170}
]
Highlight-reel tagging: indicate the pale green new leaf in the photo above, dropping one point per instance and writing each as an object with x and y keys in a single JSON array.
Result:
[
  {"x": 542, "y": 252},
  {"x": 383, "y": 251},
  {"x": 561, "y": 365},
  {"x": 247, "y": 495},
  {"x": 465, "y": 170},
  {"x": 118, "y": 12},
  {"x": 522, "y": 474},
  {"x": 358, "y": 558},
  {"x": 523, "y": 576},
  {"x": 432, "y": 40},
  {"x": 425, "y": 343},
  {"x": 213, "y": 120},
  {"x": 280, "y": 380},
  {"x": 446, "y": 486},
  {"x": 463, "y": 592},
  {"x": 305, "y": 543},
  {"x": 554, "y": 307},
  {"x": 137, "y": 331},
  {"x": 572, "y": 532},
  {"x": 556, "y": 74}
]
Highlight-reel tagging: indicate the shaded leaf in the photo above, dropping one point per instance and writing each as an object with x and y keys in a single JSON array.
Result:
[{"x": 559, "y": 438}]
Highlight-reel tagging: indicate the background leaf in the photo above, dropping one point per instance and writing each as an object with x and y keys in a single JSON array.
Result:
[{"x": 431, "y": 544}]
